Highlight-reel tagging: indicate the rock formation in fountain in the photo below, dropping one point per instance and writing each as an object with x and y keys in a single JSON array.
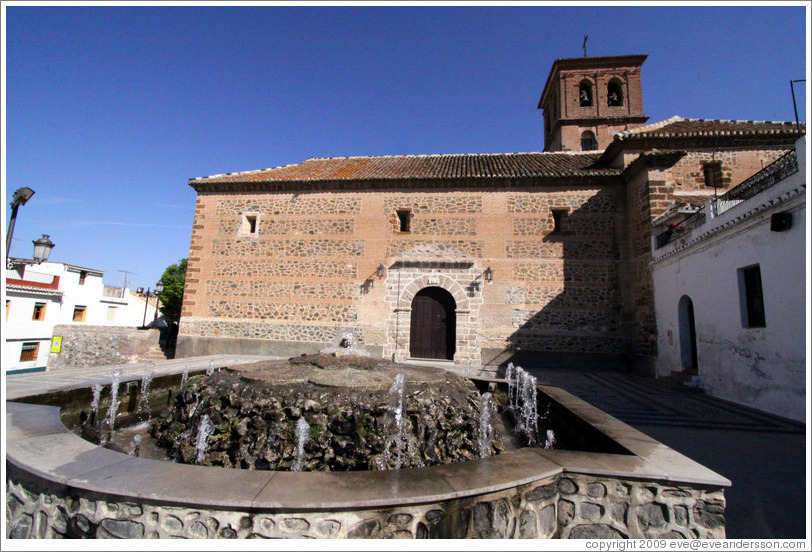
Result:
[{"x": 346, "y": 401}]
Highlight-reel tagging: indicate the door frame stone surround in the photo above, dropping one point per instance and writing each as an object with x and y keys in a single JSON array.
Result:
[{"x": 463, "y": 280}]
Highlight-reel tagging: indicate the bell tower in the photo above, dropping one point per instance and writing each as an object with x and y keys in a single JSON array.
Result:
[{"x": 587, "y": 100}]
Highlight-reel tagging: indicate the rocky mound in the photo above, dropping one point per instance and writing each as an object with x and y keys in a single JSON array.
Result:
[{"x": 357, "y": 418}]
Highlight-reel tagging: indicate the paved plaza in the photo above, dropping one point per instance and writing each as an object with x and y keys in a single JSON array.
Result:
[{"x": 763, "y": 455}]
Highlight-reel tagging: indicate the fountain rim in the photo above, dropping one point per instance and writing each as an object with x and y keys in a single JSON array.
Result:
[{"x": 34, "y": 432}]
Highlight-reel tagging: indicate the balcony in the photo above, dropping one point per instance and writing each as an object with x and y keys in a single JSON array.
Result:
[{"x": 767, "y": 177}]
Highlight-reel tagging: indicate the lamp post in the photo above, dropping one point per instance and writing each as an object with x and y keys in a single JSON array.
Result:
[
  {"x": 146, "y": 304},
  {"x": 159, "y": 287},
  {"x": 20, "y": 197}
]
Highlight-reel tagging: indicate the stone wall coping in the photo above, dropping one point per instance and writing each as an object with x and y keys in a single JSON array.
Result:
[{"x": 38, "y": 443}]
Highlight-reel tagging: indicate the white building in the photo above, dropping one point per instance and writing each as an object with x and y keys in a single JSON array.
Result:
[
  {"x": 730, "y": 291},
  {"x": 40, "y": 296}
]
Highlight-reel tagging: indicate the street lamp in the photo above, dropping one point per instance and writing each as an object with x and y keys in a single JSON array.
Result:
[
  {"x": 159, "y": 287},
  {"x": 42, "y": 249},
  {"x": 20, "y": 197}
]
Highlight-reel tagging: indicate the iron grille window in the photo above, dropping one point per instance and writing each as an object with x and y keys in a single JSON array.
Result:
[{"x": 588, "y": 141}]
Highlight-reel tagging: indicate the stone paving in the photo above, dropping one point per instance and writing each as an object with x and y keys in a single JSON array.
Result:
[
  {"x": 22, "y": 385},
  {"x": 763, "y": 455}
]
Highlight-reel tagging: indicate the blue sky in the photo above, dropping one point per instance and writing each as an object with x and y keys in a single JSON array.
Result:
[{"x": 110, "y": 110}]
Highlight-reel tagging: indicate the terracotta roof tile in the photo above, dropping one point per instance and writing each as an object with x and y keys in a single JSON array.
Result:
[
  {"x": 405, "y": 167},
  {"x": 681, "y": 127}
]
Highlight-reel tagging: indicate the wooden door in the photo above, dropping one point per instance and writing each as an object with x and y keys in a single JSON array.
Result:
[{"x": 433, "y": 324}]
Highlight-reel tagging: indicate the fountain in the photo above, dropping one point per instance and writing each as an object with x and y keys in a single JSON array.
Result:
[
  {"x": 109, "y": 432},
  {"x": 94, "y": 406},
  {"x": 348, "y": 446},
  {"x": 302, "y": 437},
  {"x": 143, "y": 399},
  {"x": 364, "y": 414},
  {"x": 487, "y": 413},
  {"x": 204, "y": 431}
]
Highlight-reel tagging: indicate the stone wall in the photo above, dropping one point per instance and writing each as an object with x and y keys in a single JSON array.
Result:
[
  {"x": 310, "y": 267},
  {"x": 102, "y": 345},
  {"x": 649, "y": 194},
  {"x": 565, "y": 506}
]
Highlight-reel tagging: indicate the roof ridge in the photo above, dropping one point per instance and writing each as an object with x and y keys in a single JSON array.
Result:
[
  {"x": 407, "y": 155},
  {"x": 402, "y": 156},
  {"x": 652, "y": 126},
  {"x": 699, "y": 119}
]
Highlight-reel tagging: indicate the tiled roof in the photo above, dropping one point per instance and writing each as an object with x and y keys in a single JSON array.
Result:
[
  {"x": 681, "y": 127},
  {"x": 32, "y": 289},
  {"x": 422, "y": 167}
]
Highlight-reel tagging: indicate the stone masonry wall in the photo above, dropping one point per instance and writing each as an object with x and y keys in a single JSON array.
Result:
[
  {"x": 651, "y": 193},
  {"x": 102, "y": 345},
  {"x": 310, "y": 267},
  {"x": 568, "y": 506}
]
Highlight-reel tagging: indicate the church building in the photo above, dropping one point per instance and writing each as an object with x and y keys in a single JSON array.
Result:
[{"x": 470, "y": 258}]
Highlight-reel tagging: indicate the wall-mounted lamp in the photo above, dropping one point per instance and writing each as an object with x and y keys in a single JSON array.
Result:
[
  {"x": 488, "y": 274},
  {"x": 380, "y": 271}
]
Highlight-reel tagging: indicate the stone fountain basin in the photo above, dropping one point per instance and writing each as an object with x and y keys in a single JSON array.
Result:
[{"x": 653, "y": 492}]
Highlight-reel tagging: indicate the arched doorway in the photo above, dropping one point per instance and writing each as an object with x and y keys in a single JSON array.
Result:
[
  {"x": 687, "y": 335},
  {"x": 433, "y": 324}
]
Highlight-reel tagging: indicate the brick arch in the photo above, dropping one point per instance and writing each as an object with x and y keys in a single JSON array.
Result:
[{"x": 436, "y": 280}]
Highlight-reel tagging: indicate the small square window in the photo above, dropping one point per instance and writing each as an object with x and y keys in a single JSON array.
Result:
[
  {"x": 39, "y": 311},
  {"x": 751, "y": 297},
  {"x": 29, "y": 352},
  {"x": 79, "y": 313},
  {"x": 712, "y": 173},
  {"x": 82, "y": 276},
  {"x": 250, "y": 224},
  {"x": 558, "y": 220},
  {"x": 404, "y": 220}
]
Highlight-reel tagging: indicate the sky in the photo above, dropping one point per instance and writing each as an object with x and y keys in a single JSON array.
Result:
[{"x": 109, "y": 110}]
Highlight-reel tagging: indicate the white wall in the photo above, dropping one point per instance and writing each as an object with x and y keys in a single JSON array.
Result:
[
  {"x": 19, "y": 326},
  {"x": 761, "y": 367}
]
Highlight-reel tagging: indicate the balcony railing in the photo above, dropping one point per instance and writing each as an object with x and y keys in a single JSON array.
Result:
[{"x": 769, "y": 176}]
